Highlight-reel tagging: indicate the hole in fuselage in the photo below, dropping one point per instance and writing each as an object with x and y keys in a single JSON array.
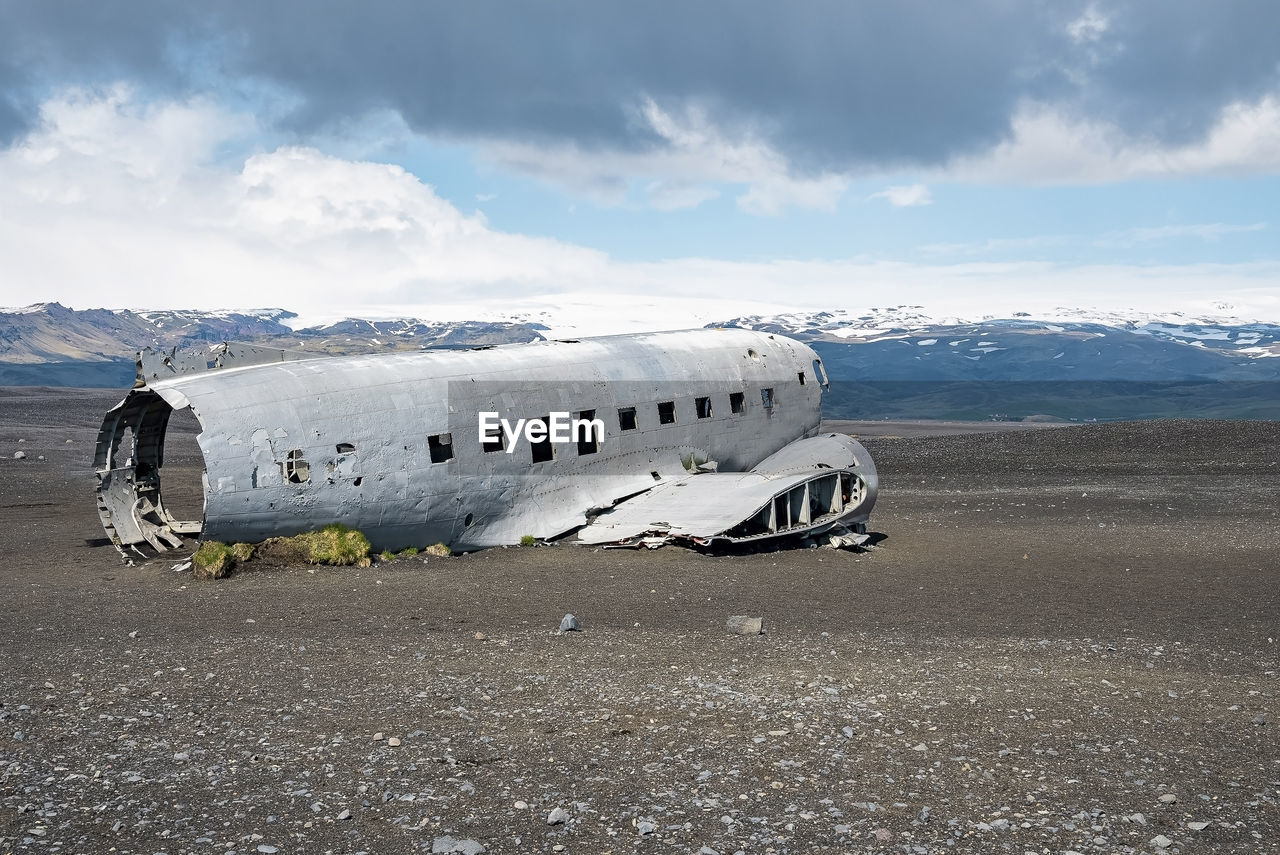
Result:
[{"x": 182, "y": 465}]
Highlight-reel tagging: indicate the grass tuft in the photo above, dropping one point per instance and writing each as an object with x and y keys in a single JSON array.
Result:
[
  {"x": 213, "y": 560},
  {"x": 528, "y": 540},
  {"x": 337, "y": 545},
  {"x": 439, "y": 550},
  {"x": 409, "y": 551}
]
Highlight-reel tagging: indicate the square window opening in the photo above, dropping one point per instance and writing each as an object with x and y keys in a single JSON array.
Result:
[
  {"x": 626, "y": 418},
  {"x": 440, "y": 446},
  {"x": 588, "y": 432},
  {"x": 703, "y": 407},
  {"x": 494, "y": 440},
  {"x": 766, "y": 398},
  {"x": 295, "y": 469},
  {"x": 540, "y": 445},
  {"x": 667, "y": 412},
  {"x": 737, "y": 402}
]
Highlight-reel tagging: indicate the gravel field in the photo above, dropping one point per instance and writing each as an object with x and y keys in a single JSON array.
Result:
[{"x": 1065, "y": 641}]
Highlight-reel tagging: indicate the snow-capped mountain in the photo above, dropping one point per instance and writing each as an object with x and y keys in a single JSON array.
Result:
[
  {"x": 1223, "y": 334},
  {"x": 903, "y": 362},
  {"x": 50, "y": 344},
  {"x": 898, "y": 360}
]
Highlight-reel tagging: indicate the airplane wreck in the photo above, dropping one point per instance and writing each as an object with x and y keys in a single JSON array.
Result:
[{"x": 703, "y": 437}]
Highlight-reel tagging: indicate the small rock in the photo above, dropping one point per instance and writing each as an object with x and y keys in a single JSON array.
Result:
[
  {"x": 1168, "y": 799},
  {"x": 1137, "y": 819},
  {"x": 394, "y": 742},
  {"x": 559, "y": 816},
  {"x": 520, "y": 805},
  {"x": 377, "y": 737},
  {"x": 133, "y": 634},
  {"x": 920, "y": 747},
  {"x": 346, "y": 814},
  {"x": 19, "y": 455},
  {"x": 267, "y": 848},
  {"x": 1197, "y": 826},
  {"x": 646, "y": 826},
  {"x": 447, "y": 846},
  {"x": 744, "y": 625},
  {"x": 569, "y": 623},
  {"x": 883, "y": 834},
  {"x": 1161, "y": 842},
  {"x": 480, "y": 636},
  {"x": 1260, "y": 718}
]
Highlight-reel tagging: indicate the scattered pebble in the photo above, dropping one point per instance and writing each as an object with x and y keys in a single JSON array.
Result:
[{"x": 448, "y": 846}]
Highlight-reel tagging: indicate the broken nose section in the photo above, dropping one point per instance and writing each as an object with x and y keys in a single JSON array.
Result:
[
  {"x": 813, "y": 486},
  {"x": 127, "y": 464}
]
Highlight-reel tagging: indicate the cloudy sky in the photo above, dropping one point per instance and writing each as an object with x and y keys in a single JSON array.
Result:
[{"x": 657, "y": 164}]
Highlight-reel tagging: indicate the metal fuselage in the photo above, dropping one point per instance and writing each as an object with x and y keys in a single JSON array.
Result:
[{"x": 389, "y": 443}]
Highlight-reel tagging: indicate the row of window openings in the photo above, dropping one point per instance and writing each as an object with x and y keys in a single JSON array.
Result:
[
  {"x": 440, "y": 445},
  {"x": 296, "y": 470}
]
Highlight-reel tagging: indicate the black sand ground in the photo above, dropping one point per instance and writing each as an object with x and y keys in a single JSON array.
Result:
[{"x": 1065, "y": 642}]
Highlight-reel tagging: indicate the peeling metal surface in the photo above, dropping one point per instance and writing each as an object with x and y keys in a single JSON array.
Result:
[
  {"x": 388, "y": 443},
  {"x": 156, "y": 365}
]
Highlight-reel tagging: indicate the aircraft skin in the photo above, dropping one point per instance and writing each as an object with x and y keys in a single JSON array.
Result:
[{"x": 390, "y": 443}]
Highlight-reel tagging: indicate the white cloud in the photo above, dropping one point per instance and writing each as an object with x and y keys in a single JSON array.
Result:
[
  {"x": 694, "y": 155},
  {"x": 1208, "y": 232},
  {"x": 674, "y": 195},
  {"x": 905, "y": 195},
  {"x": 1089, "y": 27},
  {"x": 112, "y": 203},
  {"x": 997, "y": 245},
  {"x": 1198, "y": 231},
  {"x": 1047, "y": 145}
]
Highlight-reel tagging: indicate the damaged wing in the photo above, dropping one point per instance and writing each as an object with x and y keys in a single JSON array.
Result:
[{"x": 808, "y": 487}]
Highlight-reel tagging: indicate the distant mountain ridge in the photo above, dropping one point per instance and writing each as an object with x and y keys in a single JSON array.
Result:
[
  {"x": 900, "y": 363},
  {"x": 51, "y": 333},
  {"x": 900, "y": 344},
  {"x": 893, "y": 361},
  {"x": 1222, "y": 335}
]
